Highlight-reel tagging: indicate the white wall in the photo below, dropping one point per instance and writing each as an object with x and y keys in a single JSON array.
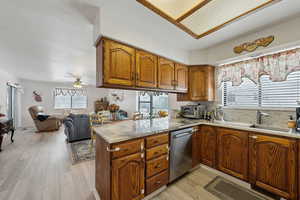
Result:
[
  {"x": 286, "y": 34},
  {"x": 46, "y": 89},
  {"x": 134, "y": 26}
]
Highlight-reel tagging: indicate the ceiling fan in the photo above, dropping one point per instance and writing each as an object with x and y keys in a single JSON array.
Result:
[{"x": 78, "y": 80}]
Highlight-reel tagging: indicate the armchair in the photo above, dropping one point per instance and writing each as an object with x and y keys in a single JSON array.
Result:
[{"x": 49, "y": 124}]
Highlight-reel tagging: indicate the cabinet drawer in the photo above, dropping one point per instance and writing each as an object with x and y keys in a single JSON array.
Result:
[
  {"x": 156, "y": 140},
  {"x": 157, "y": 181},
  {"x": 127, "y": 148},
  {"x": 157, "y": 151},
  {"x": 157, "y": 165}
]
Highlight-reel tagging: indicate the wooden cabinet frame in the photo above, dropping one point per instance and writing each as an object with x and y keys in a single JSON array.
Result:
[{"x": 134, "y": 60}]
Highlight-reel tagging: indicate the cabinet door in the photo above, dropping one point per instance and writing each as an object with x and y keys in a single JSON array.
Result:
[
  {"x": 119, "y": 64},
  {"x": 198, "y": 84},
  {"x": 166, "y": 73},
  {"x": 128, "y": 176},
  {"x": 233, "y": 152},
  {"x": 146, "y": 69},
  {"x": 208, "y": 144},
  {"x": 181, "y": 77},
  {"x": 196, "y": 155},
  {"x": 273, "y": 165}
]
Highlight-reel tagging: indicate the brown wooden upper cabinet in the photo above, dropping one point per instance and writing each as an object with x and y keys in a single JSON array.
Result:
[
  {"x": 273, "y": 164},
  {"x": 181, "y": 77},
  {"x": 146, "y": 69},
  {"x": 166, "y": 74},
  {"x": 119, "y": 64},
  {"x": 123, "y": 66},
  {"x": 201, "y": 84},
  {"x": 233, "y": 152}
]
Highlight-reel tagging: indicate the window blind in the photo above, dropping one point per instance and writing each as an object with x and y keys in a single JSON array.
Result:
[
  {"x": 280, "y": 94},
  {"x": 265, "y": 94},
  {"x": 245, "y": 94}
]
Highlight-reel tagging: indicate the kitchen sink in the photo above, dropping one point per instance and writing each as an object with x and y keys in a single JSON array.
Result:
[{"x": 268, "y": 128}]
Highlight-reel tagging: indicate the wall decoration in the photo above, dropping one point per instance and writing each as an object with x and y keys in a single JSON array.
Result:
[
  {"x": 37, "y": 96},
  {"x": 117, "y": 95},
  {"x": 252, "y": 46}
]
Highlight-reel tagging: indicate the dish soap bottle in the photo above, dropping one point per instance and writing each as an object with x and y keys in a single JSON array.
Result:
[{"x": 292, "y": 125}]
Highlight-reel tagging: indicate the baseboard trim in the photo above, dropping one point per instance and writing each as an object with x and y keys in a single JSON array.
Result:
[
  {"x": 153, "y": 194},
  {"x": 148, "y": 197}
]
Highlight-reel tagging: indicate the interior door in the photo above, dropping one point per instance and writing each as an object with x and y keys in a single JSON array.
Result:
[
  {"x": 128, "y": 176},
  {"x": 233, "y": 152},
  {"x": 181, "y": 77},
  {"x": 119, "y": 64},
  {"x": 146, "y": 69},
  {"x": 273, "y": 164},
  {"x": 166, "y": 74}
]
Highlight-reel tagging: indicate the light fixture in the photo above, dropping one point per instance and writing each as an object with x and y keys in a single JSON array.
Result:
[{"x": 77, "y": 83}]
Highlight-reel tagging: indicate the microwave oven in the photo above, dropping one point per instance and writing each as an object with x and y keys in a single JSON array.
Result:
[{"x": 193, "y": 111}]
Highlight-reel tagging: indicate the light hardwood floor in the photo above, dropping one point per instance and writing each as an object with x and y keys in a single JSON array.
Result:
[{"x": 38, "y": 167}]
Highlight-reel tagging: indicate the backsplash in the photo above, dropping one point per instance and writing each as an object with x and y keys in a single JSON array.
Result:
[{"x": 277, "y": 118}]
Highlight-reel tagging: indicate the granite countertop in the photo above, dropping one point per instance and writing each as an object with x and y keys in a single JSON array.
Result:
[{"x": 129, "y": 129}]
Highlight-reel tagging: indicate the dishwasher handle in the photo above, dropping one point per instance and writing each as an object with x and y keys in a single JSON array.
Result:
[{"x": 183, "y": 134}]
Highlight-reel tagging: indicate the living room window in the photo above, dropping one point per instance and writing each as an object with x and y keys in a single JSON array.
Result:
[
  {"x": 70, "y": 98},
  {"x": 150, "y": 103}
]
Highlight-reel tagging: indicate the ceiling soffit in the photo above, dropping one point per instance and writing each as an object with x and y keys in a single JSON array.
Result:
[{"x": 203, "y": 17}]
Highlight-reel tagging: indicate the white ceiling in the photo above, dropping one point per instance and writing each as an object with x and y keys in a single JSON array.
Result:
[{"x": 44, "y": 40}]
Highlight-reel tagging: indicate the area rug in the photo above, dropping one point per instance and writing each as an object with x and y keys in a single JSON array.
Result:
[
  {"x": 81, "y": 151},
  {"x": 227, "y": 190}
]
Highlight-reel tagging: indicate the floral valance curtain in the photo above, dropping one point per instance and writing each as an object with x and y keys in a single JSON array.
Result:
[
  {"x": 69, "y": 91},
  {"x": 277, "y": 66}
]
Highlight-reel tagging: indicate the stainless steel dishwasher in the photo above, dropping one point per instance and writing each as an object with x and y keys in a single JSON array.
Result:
[{"x": 181, "y": 152}]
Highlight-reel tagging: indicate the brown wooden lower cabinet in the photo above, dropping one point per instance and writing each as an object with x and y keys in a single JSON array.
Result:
[
  {"x": 157, "y": 181},
  {"x": 196, "y": 155},
  {"x": 233, "y": 152},
  {"x": 268, "y": 162},
  {"x": 128, "y": 177},
  {"x": 208, "y": 145},
  {"x": 273, "y": 164}
]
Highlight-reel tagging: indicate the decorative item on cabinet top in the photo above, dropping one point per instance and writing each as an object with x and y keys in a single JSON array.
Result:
[{"x": 123, "y": 66}]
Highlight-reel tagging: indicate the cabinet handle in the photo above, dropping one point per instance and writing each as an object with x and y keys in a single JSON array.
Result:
[
  {"x": 173, "y": 83},
  {"x": 133, "y": 76},
  {"x": 157, "y": 166},
  {"x": 253, "y": 137},
  {"x": 113, "y": 150},
  {"x": 157, "y": 182},
  {"x": 137, "y": 76}
]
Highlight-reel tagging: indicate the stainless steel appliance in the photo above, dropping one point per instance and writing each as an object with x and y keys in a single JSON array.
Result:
[
  {"x": 181, "y": 152},
  {"x": 193, "y": 111}
]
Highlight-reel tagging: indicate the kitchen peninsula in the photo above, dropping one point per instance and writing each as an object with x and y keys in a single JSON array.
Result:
[{"x": 132, "y": 157}]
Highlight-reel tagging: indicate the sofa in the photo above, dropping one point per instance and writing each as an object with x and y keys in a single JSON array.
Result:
[
  {"x": 43, "y": 122},
  {"x": 77, "y": 127}
]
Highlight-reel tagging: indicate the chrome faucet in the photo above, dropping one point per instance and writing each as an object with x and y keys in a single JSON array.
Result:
[{"x": 259, "y": 115}]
